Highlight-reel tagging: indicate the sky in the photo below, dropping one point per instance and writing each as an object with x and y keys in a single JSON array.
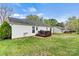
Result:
[{"x": 59, "y": 11}]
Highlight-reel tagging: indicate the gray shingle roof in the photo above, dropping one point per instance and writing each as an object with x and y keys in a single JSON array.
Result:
[{"x": 26, "y": 22}]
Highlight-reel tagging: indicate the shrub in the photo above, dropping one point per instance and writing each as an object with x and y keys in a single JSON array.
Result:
[
  {"x": 5, "y": 31},
  {"x": 77, "y": 31}
]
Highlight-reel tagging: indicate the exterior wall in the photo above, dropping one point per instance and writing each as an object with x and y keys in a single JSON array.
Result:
[
  {"x": 24, "y": 30},
  {"x": 56, "y": 30},
  {"x": 21, "y": 31}
]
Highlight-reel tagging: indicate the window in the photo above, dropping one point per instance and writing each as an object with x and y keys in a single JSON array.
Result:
[
  {"x": 33, "y": 29},
  {"x": 36, "y": 28}
]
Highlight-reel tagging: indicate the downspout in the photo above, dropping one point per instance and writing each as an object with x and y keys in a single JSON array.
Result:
[{"x": 50, "y": 30}]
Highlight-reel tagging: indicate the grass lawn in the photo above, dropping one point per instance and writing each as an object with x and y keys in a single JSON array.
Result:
[{"x": 55, "y": 45}]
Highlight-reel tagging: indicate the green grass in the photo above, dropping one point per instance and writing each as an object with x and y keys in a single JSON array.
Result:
[{"x": 55, "y": 45}]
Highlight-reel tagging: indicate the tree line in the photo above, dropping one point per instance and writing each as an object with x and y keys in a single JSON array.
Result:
[
  {"x": 71, "y": 24},
  {"x": 50, "y": 22}
]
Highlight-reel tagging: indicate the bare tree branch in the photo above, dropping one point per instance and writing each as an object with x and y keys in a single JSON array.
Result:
[{"x": 5, "y": 12}]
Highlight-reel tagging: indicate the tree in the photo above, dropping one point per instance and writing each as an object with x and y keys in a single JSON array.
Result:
[
  {"x": 61, "y": 24},
  {"x": 5, "y": 31},
  {"x": 5, "y": 28},
  {"x": 77, "y": 27},
  {"x": 72, "y": 24},
  {"x": 33, "y": 17},
  {"x": 51, "y": 22},
  {"x": 5, "y": 12}
]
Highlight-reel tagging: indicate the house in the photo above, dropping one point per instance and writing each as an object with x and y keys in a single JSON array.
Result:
[
  {"x": 25, "y": 27},
  {"x": 57, "y": 29}
]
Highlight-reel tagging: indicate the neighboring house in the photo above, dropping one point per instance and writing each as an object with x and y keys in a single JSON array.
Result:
[
  {"x": 25, "y": 27},
  {"x": 57, "y": 30}
]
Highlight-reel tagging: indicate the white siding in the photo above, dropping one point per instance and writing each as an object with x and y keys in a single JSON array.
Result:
[
  {"x": 56, "y": 30},
  {"x": 21, "y": 31},
  {"x": 25, "y": 30}
]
